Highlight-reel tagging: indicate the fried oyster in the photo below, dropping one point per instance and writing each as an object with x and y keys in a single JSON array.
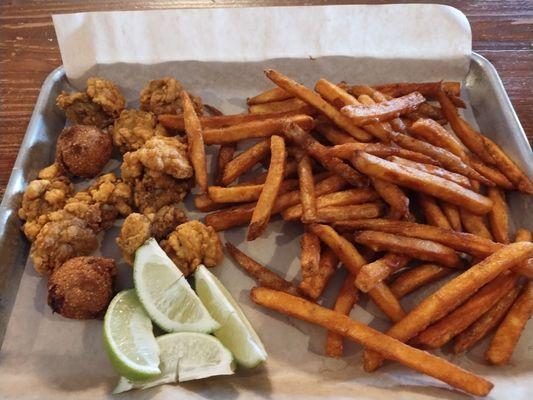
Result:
[
  {"x": 99, "y": 105},
  {"x": 134, "y": 128},
  {"x": 82, "y": 287},
  {"x": 192, "y": 244},
  {"x": 162, "y": 96}
]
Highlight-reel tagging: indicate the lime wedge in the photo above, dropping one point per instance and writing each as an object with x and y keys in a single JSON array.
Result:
[
  {"x": 185, "y": 356},
  {"x": 129, "y": 339},
  {"x": 165, "y": 293},
  {"x": 235, "y": 332}
]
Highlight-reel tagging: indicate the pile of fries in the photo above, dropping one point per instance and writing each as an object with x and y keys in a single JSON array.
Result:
[{"x": 383, "y": 188}]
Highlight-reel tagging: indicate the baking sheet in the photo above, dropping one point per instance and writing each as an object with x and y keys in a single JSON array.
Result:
[{"x": 47, "y": 356}]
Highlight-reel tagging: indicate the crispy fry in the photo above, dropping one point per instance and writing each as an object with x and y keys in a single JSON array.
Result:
[
  {"x": 356, "y": 211},
  {"x": 307, "y": 190},
  {"x": 452, "y": 294},
  {"x": 195, "y": 142},
  {"x": 204, "y": 203},
  {"x": 373, "y": 273},
  {"x": 244, "y": 161},
  {"x": 265, "y": 203},
  {"x": 475, "y": 224},
  {"x": 427, "y": 110},
  {"x": 224, "y": 156},
  {"x": 432, "y": 132},
  {"x": 393, "y": 196},
  {"x": 319, "y": 152},
  {"x": 416, "y": 248},
  {"x": 309, "y": 257},
  {"x": 315, "y": 285},
  {"x": 383, "y": 344},
  {"x": 344, "y": 303},
  {"x": 320, "y": 104},
  {"x": 490, "y": 173},
  {"x": 366, "y": 114},
  {"x": 428, "y": 89},
  {"x": 434, "y": 170},
  {"x": 290, "y": 169},
  {"x": 281, "y": 106},
  {"x": 334, "y": 135},
  {"x": 483, "y": 325},
  {"x": 385, "y": 300},
  {"x": 262, "y": 275},
  {"x": 254, "y": 129},
  {"x": 452, "y": 215},
  {"x": 432, "y": 212},
  {"x": 344, "y": 198},
  {"x": 523, "y": 235},
  {"x": 347, "y": 150},
  {"x": 508, "y": 333},
  {"x": 416, "y": 277},
  {"x": 245, "y": 193},
  {"x": 499, "y": 216},
  {"x": 268, "y": 96},
  {"x": 441, "y": 332},
  {"x": 423, "y": 182}
]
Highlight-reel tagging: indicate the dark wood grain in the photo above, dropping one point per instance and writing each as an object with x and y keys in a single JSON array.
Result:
[{"x": 502, "y": 32}]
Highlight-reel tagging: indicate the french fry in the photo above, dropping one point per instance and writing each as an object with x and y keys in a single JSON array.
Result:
[
  {"x": 428, "y": 89},
  {"x": 204, "y": 203},
  {"x": 331, "y": 214},
  {"x": 442, "y": 331},
  {"x": 244, "y": 161},
  {"x": 344, "y": 303},
  {"x": 388, "y": 347},
  {"x": 423, "y": 182},
  {"x": 475, "y": 224},
  {"x": 309, "y": 257},
  {"x": 245, "y": 193},
  {"x": 523, "y": 235},
  {"x": 212, "y": 110},
  {"x": 490, "y": 173},
  {"x": 224, "y": 156},
  {"x": 434, "y": 170},
  {"x": 195, "y": 141},
  {"x": 262, "y": 275},
  {"x": 343, "y": 198},
  {"x": 432, "y": 212},
  {"x": 254, "y": 129},
  {"x": 290, "y": 169},
  {"x": 386, "y": 302},
  {"x": 307, "y": 189},
  {"x": 393, "y": 196},
  {"x": 313, "y": 99},
  {"x": 363, "y": 90},
  {"x": 281, "y": 106},
  {"x": 315, "y": 285},
  {"x": 384, "y": 111},
  {"x": 452, "y": 215},
  {"x": 373, "y": 273},
  {"x": 268, "y": 96},
  {"x": 377, "y": 97},
  {"x": 415, "y": 248},
  {"x": 319, "y": 152},
  {"x": 334, "y": 135},
  {"x": 499, "y": 216},
  {"x": 347, "y": 150},
  {"x": 265, "y": 203},
  {"x": 417, "y": 277},
  {"x": 508, "y": 333},
  {"x": 427, "y": 110}
]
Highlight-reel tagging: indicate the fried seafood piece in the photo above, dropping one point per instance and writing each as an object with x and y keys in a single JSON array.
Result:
[
  {"x": 82, "y": 287},
  {"x": 43, "y": 196},
  {"x": 133, "y": 128},
  {"x": 51, "y": 172},
  {"x": 64, "y": 236},
  {"x": 155, "y": 190},
  {"x": 109, "y": 189},
  {"x": 99, "y": 105},
  {"x": 165, "y": 220},
  {"x": 83, "y": 150},
  {"x": 134, "y": 232},
  {"x": 162, "y": 96},
  {"x": 192, "y": 244}
]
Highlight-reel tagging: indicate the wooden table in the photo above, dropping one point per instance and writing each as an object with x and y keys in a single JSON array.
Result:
[{"x": 502, "y": 32}]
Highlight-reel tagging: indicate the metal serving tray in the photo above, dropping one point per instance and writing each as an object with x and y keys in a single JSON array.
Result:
[{"x": 487, "y": 97}]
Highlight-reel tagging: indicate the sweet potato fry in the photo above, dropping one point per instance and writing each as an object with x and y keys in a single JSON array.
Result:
[
  {"x": 307, "y": 189},
  {"x": 452, "y": 294},
  {"x": 344, "y": 303},
  {"x": 365, "y": 114},
  {"x": 245, "y": 193},
  {"x": 417, "y": 277},
  {"x": 428, "y": 89},
  {"x": 224, "y": 156},
  {"x": 254, "y": 129},
  {"x": 386, "y": 346},
  {"x": 499, "y": 216},
  {"x": 508, "y": 333},
  {"x": 309, "y": 255},
  {"x": 442, "y": 331},
  {"x": 483, "y": 325},
  {"x": 373, "y": 273},
  {"x": 268, "y": 96},
  {"x": 314, "y": 99},
  {"x": 265, "y": 203},
  {"x": 393, "y": 196},
  {"x": 434, "y": 170},
  {"x": 523, "y": 235},
  {"x": 315, "y": 285},
  {"x": 415, "y": 248},
  {"x": 319, "y": 152},
  {"x": 195, "y": 142},
  {"x": 244, "y": 161},
  {"x": 475, "y": 224},
  {"x": 432, "y": 212},
  {"x": 423, "y": 182},
  {"x": 281, "y": 106},
  {"x": 452, "y": 215},
  {"x": 344, "y": 198},
  {"x": 262, "y": 275},
  {"x": 334, "y": 135},
  {"x": 331, "y": 214},
  {"x": 347, "y": 150}
]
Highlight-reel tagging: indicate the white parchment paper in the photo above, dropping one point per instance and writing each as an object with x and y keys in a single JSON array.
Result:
[{"x": 219, "y": 54}]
